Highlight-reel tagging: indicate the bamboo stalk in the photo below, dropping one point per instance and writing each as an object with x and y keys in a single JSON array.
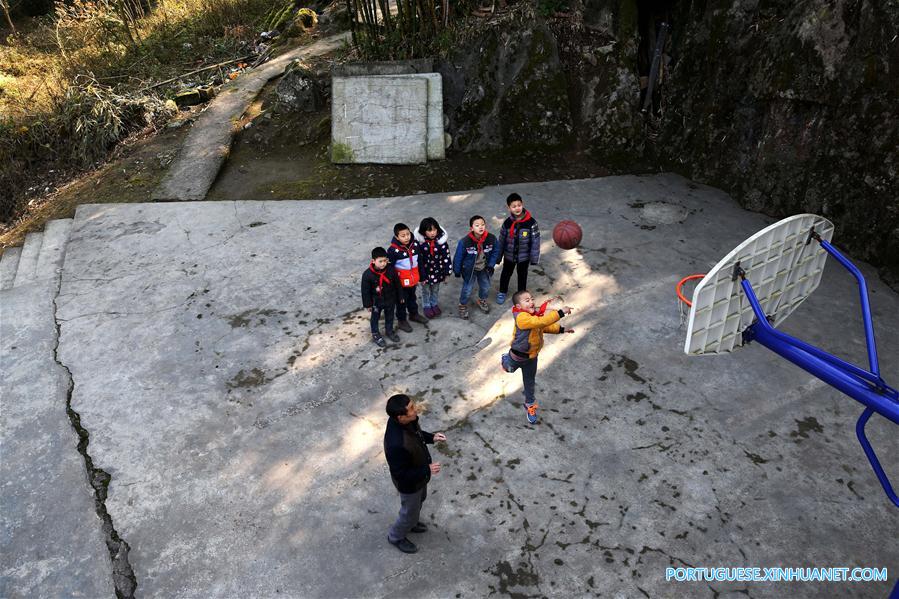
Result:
[{"x": 214, "y": 66}]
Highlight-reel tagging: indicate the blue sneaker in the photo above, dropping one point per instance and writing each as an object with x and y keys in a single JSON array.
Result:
[
  {"x": 500, "y": 298},
  {"x": 532, "y": 412}
]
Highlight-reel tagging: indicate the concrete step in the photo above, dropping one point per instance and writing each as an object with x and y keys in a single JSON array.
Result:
[
  {"x": 53, "y": 248},
  {"x": 51, "y": 539},
  {"x": 25, "y": 273},
  {"x": 9, "y": 263}
]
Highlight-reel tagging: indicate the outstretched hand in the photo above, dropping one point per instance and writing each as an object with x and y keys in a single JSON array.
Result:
[
  {"x": 567, "y": 309},
  {"x": 567, "y": 330},
  {"x": 439, "y": 437},
  {"x": 435, "y": 468}
]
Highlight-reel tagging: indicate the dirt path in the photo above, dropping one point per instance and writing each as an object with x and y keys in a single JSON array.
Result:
[{"x": 209, "y": 141}]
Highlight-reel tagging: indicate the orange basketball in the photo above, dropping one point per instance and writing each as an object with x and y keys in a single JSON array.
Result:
[{"x": 567, "y": 234}]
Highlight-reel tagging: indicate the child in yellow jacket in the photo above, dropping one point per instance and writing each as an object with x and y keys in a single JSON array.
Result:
[{"x": 527, "y": 341}]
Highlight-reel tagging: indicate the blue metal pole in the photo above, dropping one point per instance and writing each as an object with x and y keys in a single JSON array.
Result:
[
  {"x": 866, "y": 306},
  {"x": 845, "y": 381},
  {"x": 872, "y": 457}
]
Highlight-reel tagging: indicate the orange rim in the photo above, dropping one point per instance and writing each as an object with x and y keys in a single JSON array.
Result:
[{"x": 680, "y": 284}]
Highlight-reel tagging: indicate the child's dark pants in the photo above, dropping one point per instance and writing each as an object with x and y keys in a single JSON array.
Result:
[
  {"x": 506, "y": 275},
  {"x": 388, "y": 318},
  {"x": 411, "y": 305},
  {"x": 528, "y": 374}
]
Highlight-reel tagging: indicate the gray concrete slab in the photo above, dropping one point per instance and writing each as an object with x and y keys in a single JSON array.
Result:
[
  {"x": 31, "y": 249},
  {"x": 436, "y": 149},
  {"x": 53, "y": 248},
  {"x": 9, "y": 263},
  {"x": 381, "y": 119},
  {"x": 51, "y": 542},
  {"x": 223, "y": 367},
  {"x": 209, "y": 141}
]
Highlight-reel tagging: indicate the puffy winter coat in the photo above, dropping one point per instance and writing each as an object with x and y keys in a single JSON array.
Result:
[
  {"x": 520, "y": 240},
  {"x": 405, "y": 260},
  {"x": 434, "y": 261},
  {"x": 379, "y": 288},
  {"x": 527, "y": 340},
  {"x": 467, "y": 253}
]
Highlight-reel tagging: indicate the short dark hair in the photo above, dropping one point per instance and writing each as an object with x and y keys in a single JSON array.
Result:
[
  {"x": 428, "y": 223},
  {"x": 513, "y": 197},
  {"x": 400, "y": 227},
  {"x": 476, "y": 217},
  {"x": 378, "y": 252},
  {"x": 516, "y": 297},
  {"x": 397, "y": 404}
]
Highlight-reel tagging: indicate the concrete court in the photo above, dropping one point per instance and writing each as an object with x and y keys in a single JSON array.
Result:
[{"x": 223, "y": 368}]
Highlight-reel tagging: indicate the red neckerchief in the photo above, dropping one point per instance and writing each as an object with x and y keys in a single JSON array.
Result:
[
  {"x": 523, "y": 218},
  {"x": 538, "y": 312},
  {"x": 405, "y": 248},
  {"x": 431, "y": 242},
  {"x": 383, "y": 279},
  {"x": 479, "y": 242}
]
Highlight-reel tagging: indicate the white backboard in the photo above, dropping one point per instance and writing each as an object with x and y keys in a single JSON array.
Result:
[{"x": 783, "y": 271}]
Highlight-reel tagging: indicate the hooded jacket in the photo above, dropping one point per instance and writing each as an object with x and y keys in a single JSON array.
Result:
[
  {"x": 407, "y": 455},
  {"x": 520, "y": 240},
  {"x": 434, "y": 263}
]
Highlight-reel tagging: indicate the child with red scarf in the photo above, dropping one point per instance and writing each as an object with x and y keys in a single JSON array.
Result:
[
  {"x": 434, "y": 263},
  {"x": 476, "y": 256},
  {"x": 519, "y": 239},
  {"x": 380, "y": 293},
  {"x": 527, "y": 341},
  {"x": 403, "y": 255}
]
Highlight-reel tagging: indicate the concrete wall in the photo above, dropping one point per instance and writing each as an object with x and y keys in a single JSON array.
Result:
[{"x": 379, "y": 119}]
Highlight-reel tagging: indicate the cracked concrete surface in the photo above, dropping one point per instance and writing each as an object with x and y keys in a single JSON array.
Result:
[{"x": 224, "y": 371}]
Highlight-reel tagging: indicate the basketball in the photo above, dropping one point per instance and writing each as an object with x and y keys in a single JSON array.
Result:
[{"x": 567, "y": 234}]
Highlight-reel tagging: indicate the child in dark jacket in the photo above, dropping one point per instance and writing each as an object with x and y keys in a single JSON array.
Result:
[
  {"x": 519, "y": 238},
  {"x": 434, "y": 263},
  {"x": 403, "y": 254},
  {"x": 380, "y": 293},
  {"x": 476, "y": 256}
]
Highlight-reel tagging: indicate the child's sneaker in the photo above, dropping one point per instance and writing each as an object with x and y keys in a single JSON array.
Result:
[
  {"x": 532, "y": 412},
  {"x": 378, "y": 340},
  {"x": 484, "y": 306},
  {"x": 500, "y": 298},
  {"x": 463, "y": 312},
  {"x": 428, "y": 312},
  {"x": 393, "y": 337},
  {"x": 437, "y": 310}
]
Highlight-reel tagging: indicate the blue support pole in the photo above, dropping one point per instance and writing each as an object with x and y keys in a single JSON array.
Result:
[
  {"x": 866, "y": 306},
  {"x": 872, "y": 457},
  {"x": 876, "y": 395}
]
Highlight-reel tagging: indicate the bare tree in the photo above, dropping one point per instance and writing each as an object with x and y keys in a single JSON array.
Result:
[{"x": 5, "y": 6}]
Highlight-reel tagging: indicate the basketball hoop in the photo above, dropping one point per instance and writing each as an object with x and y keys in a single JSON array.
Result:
[{"x": 684, "y": 303}]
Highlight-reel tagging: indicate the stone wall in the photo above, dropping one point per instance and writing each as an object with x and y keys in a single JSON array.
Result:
[{"x": 791, "y": 106}]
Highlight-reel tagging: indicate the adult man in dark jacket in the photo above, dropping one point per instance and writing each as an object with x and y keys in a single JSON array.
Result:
[{"x": 410, "y": 467}]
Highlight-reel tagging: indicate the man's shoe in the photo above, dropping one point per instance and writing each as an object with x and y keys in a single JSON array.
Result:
[
  {"x": 416, "y": 317},
  {"x": 532, "y": 412},
  {"x": 393, "y": 337},
  {"x": 378, "y": 340},
  {"x": 404, "y": 545},
  {"x": 420, "y": 527},
  {"x": 404, "y": 325},
  {"x": 484, "y": 306},
  {"x": 500, "y": 298}
]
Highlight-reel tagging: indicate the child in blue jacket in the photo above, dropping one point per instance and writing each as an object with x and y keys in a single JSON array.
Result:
[
  {"x": 519, "y": 238},
  {"x": 476, "y": 256},
  {"x": 434, "y": 263}
]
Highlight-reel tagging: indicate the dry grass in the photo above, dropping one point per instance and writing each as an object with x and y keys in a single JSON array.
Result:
[{"x": 74, "y": 84}]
